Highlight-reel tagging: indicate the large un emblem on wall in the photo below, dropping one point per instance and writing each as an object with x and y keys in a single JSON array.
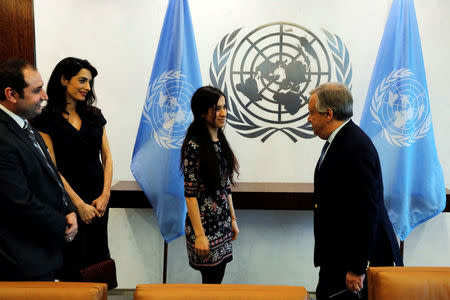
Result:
[{"x": 267, "y": 74}]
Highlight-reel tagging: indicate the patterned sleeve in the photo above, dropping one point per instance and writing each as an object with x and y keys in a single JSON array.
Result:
[
  {"x": 191, "y": 165},
  {"x": 228, "y": 187}
]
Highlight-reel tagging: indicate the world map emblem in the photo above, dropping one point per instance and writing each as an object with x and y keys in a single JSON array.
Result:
[
  {"x": 267, "y": 73},
  {"x": 400, "y": 106},
  {"x": 167, "y": 108}
]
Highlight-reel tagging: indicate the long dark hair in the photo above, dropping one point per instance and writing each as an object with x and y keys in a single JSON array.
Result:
[
  {"x": 203, "y": 99},
  {"x": 69, "y": 67}
]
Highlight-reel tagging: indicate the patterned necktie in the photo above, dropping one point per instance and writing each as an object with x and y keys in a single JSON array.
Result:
[
  {"x": 322, "y": 155},
  {"x": 29, "y": 131}
]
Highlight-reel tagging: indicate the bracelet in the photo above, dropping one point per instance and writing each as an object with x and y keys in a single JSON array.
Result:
[{"x": 233, "y": 218}]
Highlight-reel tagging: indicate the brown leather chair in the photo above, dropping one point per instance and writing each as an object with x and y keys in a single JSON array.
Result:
[
  {"x": 47, "y": 290},
  {"x": 219, "y": 292},
  {"x": 409, "y": 283}
]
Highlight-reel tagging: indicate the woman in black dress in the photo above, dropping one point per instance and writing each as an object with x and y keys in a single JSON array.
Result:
[
  {"x": 209, "y": 166},
  {"x": 74, "y": 132}
]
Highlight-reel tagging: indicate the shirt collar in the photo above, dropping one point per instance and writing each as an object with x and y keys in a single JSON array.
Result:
[
  {"x": 21, "y": 122},
  {"x": 333, "y": 134}
]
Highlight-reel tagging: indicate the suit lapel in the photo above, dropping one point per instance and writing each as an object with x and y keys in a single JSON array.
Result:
[
  {"x": 21, "y": 135},
  {"x": 45, "y": 151},
  {"x": 334, "y": 145}
]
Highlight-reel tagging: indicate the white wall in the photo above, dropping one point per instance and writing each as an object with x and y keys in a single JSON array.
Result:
[{"x": 120, "y": 38}]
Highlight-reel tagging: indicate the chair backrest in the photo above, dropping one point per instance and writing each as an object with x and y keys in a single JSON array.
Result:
[
  {"x": 46, "y": 290},
  {"x": 431, "y": 283},
  {"x": 219, "y": 291}
]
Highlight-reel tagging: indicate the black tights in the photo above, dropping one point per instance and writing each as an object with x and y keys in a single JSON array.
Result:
[{"x": 213, "y": 275}]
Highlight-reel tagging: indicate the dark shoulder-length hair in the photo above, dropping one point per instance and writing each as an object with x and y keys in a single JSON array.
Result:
[
  {"x": 67, "y": 68},
  {"x": 204, "y": 98}
]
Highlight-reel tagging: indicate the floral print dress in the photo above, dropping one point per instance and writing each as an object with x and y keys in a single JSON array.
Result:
[{"x": 214, "y": 210}]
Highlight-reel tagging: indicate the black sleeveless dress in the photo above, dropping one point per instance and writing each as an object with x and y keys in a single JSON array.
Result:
[{"x": 77, "y": 155}]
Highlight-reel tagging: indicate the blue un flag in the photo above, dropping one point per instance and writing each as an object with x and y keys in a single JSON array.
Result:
[
  {"x": 398, "y": 119},
  {"x": 165, "y": 118}
]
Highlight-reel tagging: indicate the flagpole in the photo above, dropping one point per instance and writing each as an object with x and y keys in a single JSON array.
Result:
[{"x": 165, "y": 263}]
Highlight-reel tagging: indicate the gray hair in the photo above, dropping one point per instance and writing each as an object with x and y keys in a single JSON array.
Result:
[{"x": 337, "y": 97}]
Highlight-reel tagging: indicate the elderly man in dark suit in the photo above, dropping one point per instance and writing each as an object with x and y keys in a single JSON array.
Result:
[
  {"x": 351, "y": 227},
  {"x": 36, "y": 214}
]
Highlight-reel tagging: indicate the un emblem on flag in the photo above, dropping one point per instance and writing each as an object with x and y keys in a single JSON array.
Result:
[
  {"x": 267, "y": 74},
  {"x": 400, "y": 106},
  {"x": 167, "y": 108}
]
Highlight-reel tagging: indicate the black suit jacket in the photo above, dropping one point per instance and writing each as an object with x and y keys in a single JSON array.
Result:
[
  {"x": 351, "y": 224},
  {"x": 32, "y": 211}
]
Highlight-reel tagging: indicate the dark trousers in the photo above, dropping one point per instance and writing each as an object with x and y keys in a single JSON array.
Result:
[
  {"x": 213, "y": 275},
  {"x": 332, "y": 281}
]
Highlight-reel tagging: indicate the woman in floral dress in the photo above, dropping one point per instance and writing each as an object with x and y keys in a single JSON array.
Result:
[{"x": 209, "y": 166}]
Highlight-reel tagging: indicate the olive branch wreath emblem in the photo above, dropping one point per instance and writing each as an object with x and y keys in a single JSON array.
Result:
[
  {"x": 163, "y": 141},
  {"x": 401, "y": 140},
  {"x": 244, "y": 125},
  {"x": 341, "y": 58}
]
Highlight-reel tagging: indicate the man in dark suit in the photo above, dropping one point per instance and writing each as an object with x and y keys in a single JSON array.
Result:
[
  {"x": 351, "y": 227},
  {"x": 36, "y": 214}
]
